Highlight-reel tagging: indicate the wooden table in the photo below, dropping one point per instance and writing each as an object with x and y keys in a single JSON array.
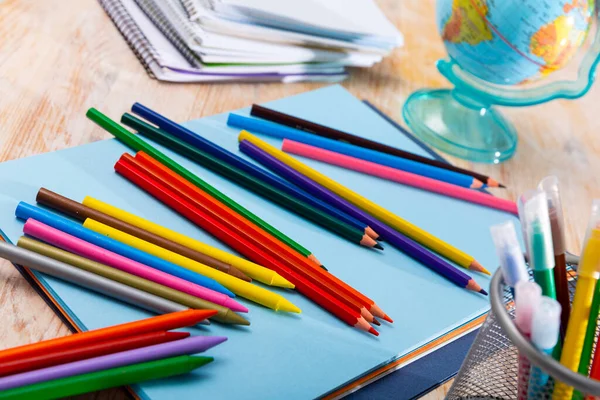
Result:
[{"x": 60, "y": 57}]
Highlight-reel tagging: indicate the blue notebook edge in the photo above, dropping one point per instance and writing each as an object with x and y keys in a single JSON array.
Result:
[{"x": 392, "y": 384}]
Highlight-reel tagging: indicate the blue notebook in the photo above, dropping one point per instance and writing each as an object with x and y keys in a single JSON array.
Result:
[{"x": 280, "y": 355}]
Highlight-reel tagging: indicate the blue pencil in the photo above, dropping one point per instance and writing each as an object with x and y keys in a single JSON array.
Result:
[
  {"x": 25, "y": 211},
  {"x": 284, "y": 132},
  {"x": 215, "y": 150}
]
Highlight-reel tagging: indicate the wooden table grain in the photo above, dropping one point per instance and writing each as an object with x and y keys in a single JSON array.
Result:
[{"x": 60, "y": 57}]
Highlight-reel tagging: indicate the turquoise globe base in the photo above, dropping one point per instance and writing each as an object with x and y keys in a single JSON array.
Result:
[{"x": 460, "y": 126}]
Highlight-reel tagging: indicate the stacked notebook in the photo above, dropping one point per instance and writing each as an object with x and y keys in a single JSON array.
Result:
[{"x": 253, "y": 40}]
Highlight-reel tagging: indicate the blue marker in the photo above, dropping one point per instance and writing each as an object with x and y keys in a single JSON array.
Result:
[
  {"x": 25, "y": 211},
  {"x": 285, "y": 132},
  {"x": 510, "y": 255}
]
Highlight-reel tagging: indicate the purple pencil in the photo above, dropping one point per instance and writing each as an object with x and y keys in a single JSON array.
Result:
[
  {"x": 395, "y": 238},
  {"x": 190, "y": 345}
]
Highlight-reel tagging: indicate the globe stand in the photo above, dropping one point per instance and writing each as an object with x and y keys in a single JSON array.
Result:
[{"x": 460, "y": 125}]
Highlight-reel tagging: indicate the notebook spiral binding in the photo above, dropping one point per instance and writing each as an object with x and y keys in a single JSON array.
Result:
[
  {"x": 132, "y": 34},
  {"x": 162, "y": 22}
]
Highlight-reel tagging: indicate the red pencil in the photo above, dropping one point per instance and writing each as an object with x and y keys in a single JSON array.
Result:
[
  {"x": 88, "y": 351},
  {"x": 237, "y": 242},
  {"x": 164, "y": 322},
  {"x": 277, "y": 249}
]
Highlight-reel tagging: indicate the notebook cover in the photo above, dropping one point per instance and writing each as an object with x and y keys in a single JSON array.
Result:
[{"x": 304, "y": 356}]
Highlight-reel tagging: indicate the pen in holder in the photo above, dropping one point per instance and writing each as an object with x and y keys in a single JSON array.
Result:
[{"x": 490, "y": 370}]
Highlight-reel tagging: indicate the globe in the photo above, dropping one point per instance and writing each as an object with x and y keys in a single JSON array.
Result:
[
  {"x": 503, "y": 53},
  {"x": 513, "y": 41}
]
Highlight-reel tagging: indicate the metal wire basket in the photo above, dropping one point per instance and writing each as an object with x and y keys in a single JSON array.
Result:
[{"x": 490, "y": 370}]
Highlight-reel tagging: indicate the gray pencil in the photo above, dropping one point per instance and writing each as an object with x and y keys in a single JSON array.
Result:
[{"x": 88, "y": 280}]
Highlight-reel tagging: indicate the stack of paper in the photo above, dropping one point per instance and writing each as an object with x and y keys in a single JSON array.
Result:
[{"x": 253, "y": 40}]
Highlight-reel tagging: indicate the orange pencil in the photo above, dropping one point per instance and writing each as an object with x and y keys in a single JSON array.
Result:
[
  {"x": 232, "y": 237},
  {"x": 160, "y": 323},
  {"x": 205, "y": 205},
  {"x": 275, "y": 247}
]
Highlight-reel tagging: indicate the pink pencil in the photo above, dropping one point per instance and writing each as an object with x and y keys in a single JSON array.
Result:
[
  {"x": 75, "y": 245},
  {"x": 399, "y": 176}
]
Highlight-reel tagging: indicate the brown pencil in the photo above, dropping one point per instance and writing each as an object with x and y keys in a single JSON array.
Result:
[
  {"x": 330, "y": 133},
  {"x": 82, "y": 212}
]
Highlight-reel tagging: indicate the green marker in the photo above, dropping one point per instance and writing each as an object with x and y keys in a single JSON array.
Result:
[
  {"x": 137, "y": 144},
  {"x": 535, "y": 220},
  {"x": 94, "y": 381},
  {"x": 537, "y": 233}
]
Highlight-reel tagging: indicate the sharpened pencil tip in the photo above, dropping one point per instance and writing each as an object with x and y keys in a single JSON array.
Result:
[
  {"x": 375, "y": 322},
  {"x": 388, "y": 319},
  {"x": 483, "y": 292},
  {"x": 322, "y": 266},
  {"x": 373, "y": 332},
  {"x": 378, "y": 246}
]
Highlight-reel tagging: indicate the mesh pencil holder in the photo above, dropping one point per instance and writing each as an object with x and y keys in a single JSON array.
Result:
[{"x": 490, "y": 370}]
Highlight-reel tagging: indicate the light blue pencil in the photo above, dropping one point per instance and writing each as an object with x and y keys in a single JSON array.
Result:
[
  {"x": 25, "y": 211},
  {"x": 284, "y": 132}
]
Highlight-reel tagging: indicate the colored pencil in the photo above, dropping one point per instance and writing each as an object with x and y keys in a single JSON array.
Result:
[
  {"x": 202, "y": 144},
  {"x": 283, "y": 132},
  {"x": 224, "y": 314},
  {"x": 94, "y": 381},
  {"x": 80, "y": 212},
  {"x": 78, "y": 246},
  {"x": 255, "y": 271},
  {"x": 90, "y": 350},
  {"x": 395, "y": 238},
  {"x": 234, "y": 222},
  {"x": 331, "y": 133},
  {"x": 144, "y": 164},
  {"x": 262, "y": 189},
  {"x": 87, "y": 280},
  {"x": 590, "y": 333},
  {"x": 159, "y": 323},
  {"x": 396, "y": 175},
  {"x": 188, "y": 346},
  {"x": 588, "y": 271},
  {"x": 25, "y": 211},
  {"x": 239, "y": 287},
  {"x": 550, "y": 186},
  {"x": 137, "y": 144},
  {"x": 406, "y": 228},
  {"x": 246, "y": 248}
]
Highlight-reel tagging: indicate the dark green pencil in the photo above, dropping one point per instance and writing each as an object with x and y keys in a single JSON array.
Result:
[
  {"x": 114, "y": 377},
  {"x": 137, "y": 144},
  {"x": 252, "y": 183}
]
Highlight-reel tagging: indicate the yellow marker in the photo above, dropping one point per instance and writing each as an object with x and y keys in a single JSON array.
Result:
[
  {"x": 254, "y": 271},
  {"x": 241, "y": 288},
  {"x": 588, "y": 274},
  {"x": 414, "y": 232}
]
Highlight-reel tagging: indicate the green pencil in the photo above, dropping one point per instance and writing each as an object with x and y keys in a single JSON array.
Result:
[
  {"x": 250, "y": 182},
  {"x": 94, "y": 381},
  {"x": 590, "y": 333},
  {"x": 137, "y": 144}
]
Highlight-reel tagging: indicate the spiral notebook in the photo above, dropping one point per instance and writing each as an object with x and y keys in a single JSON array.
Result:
[
  {"x": 166, "y": 56},
  {"x": 281, "y": 356}
]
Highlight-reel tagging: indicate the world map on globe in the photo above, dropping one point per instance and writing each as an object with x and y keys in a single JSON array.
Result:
[{"x": 513, "y": 41}]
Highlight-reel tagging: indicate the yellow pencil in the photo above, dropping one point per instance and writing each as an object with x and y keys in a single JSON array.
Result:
[
  {"x": 254, "y": 271},
  {"x": 241, "y": 288},
  {"x": 414, "y": 232},
  {"x": 587, "y": 277}
]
